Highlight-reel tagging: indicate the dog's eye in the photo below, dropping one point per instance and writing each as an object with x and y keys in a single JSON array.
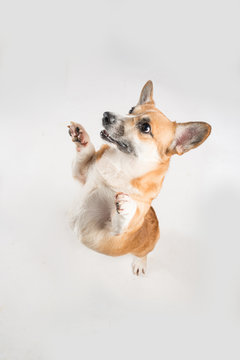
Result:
[
  {"x": 145, "y": 128},
  {"x": 131, "y": 110}
]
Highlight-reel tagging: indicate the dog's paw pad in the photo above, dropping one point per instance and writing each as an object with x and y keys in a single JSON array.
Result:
[
  {"x": 139, "y": 266},
  {"x": 78, "y": 134}
]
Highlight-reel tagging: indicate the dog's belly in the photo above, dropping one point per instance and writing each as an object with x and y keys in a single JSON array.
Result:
[
  {"x": 92, "y": 219},
  {"x": 97, "y": 208}
]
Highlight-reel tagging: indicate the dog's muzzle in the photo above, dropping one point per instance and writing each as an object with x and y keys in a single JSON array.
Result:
[
  {"x": 114, "y": 132},
  {"x": 108, "y": 119}
]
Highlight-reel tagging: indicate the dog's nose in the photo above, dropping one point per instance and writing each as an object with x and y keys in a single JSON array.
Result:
[{"x": 108, "y": 118}]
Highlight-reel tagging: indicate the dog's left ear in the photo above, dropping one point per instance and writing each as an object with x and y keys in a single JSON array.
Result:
[
  {"x": 188, "y": 136},
  {"x": 146, "y": 96}
]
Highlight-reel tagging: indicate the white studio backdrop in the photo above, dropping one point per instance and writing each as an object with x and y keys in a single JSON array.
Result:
[{"x": 73, "y": 60}]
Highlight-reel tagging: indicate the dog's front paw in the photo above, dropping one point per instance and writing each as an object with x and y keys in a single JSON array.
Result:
[
  {"x": 139, "y": 265},
  {"x": 78, "y": 135},
  {"x": 124, "y": 204}
]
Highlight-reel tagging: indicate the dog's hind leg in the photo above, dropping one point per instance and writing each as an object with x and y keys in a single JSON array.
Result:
[
  {"x": 139, "y": 265},
  {"x": 85, "y": 151},
  {"x": 147, "y": 237}
]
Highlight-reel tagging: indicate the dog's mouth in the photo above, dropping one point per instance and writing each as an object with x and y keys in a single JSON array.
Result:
[{"x": 121, "y": 145}]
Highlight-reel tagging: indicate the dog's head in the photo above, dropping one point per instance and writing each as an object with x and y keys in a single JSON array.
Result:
[{"x": 148, "y": 133}]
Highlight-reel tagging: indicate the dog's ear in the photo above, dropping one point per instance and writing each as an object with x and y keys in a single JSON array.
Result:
[
  {"x": 146, "y": 96},
  {"x": 188, "y": 136}
]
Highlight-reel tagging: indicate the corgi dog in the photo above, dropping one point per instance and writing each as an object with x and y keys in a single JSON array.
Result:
[{"x": 114, "y": 216}]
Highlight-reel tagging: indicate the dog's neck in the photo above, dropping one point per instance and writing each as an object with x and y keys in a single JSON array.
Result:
[{"x": 119, "y": 169}]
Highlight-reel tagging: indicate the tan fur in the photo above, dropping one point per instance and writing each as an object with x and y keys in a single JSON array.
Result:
[
  {"x": 140, "y": 238},
  {"x": 101, "y": 151}
]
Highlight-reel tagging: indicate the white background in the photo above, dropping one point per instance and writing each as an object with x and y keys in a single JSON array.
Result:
[{"x": 73, "y": 60}]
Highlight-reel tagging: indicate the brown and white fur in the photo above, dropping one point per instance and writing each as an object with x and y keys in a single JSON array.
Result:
[{"x": 115, "y": 216}]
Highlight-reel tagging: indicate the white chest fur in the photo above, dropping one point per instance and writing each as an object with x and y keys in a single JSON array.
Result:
[{"x": 117, "y": 169}]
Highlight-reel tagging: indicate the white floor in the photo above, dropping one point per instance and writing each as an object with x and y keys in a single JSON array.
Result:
[{"x": 73, "y": 61}]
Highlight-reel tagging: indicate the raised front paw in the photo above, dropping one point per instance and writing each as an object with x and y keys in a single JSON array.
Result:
[
  {"x": 124, "y": 204},
  {"x": 78, "y": 134}
]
